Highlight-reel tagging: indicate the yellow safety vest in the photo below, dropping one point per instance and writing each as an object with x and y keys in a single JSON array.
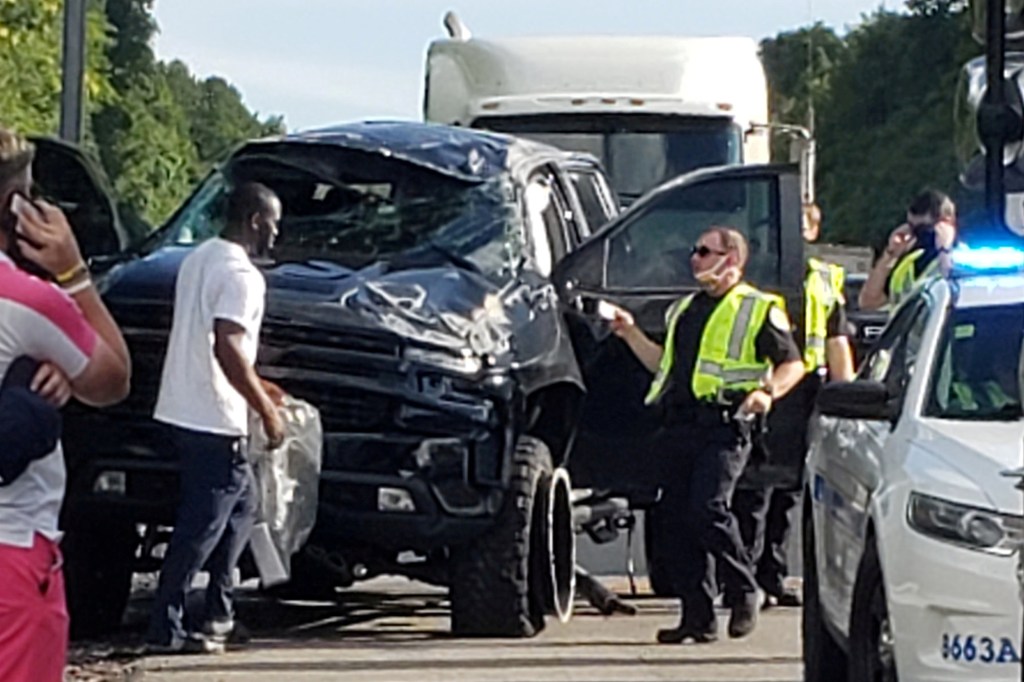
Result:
[
  {"x": 727, "y": 357},
  {"x": 989, "y": 392},
  {"x": 823, "y": 291},
  {"x": 903, "y": 281}
]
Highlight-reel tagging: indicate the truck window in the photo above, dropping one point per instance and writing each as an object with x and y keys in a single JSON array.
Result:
[
  {"x": 639, "y": 151},
  {"x": 653, "y": 251},
  {"x": 595, "y": 200}
]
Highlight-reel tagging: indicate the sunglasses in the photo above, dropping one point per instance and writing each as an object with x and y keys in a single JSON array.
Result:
[{"x": 704, "y": 251}]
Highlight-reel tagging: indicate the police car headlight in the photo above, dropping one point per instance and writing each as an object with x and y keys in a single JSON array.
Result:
[{"x": 964, "y": 525}]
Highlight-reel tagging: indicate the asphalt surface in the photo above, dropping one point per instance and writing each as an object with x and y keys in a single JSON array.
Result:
[{"x": 395, "y": 629}]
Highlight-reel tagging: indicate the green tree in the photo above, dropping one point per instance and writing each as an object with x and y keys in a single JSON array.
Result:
[
  {"x": 30, "y": 58},
  {"x": 886, "y": 127},
  {"x": 799, "y": 65}
]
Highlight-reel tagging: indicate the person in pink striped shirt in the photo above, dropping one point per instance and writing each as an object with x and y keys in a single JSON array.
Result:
[{"x": 49, "y": 312}]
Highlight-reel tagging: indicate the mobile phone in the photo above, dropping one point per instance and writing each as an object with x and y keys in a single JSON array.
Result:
[
  {"x": 22, "y": 206},
  {"x": 606, "y": 310}
]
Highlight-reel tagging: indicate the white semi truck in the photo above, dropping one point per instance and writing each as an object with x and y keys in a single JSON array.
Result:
[{"x": 650, "y": 108}]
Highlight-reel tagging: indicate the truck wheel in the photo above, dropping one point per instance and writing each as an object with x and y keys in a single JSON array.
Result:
[
  {"x": 872, "y": 655},
  {"x": 492, "y": 593},
  {"x": 824, "y": 661},
  {"x": 657, "y": 573},
  {"x": 98, "y": 565}
]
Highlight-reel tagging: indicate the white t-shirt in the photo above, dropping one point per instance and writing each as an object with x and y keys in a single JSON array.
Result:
[
  {"x": 217, "y": 281},
  {"x": 38, "y": 320}
]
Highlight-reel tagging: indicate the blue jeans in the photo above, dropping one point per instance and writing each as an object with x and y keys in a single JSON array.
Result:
[{"x": 215, "y": 517}]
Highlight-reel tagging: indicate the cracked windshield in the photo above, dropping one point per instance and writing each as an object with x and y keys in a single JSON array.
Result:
[{"x": 409, "y": 340}]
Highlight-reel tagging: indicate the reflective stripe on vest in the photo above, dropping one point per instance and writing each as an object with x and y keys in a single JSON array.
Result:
[
  {"x": 823, "y": 291},
  {"x": 903, "y": 281},
  {"x": 727, "y": 357}
]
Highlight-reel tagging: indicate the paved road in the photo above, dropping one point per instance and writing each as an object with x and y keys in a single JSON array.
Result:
[{"x": 397, "y": 630}]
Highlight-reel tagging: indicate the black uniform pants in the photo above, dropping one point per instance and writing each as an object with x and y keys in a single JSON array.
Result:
[
  {"x": 763, "y": 516},
  {"x": 695, "y": 529},
  {"x": 763, "y": 513}
]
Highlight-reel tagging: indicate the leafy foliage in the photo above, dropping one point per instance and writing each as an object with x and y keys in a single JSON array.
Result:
[
  {"x": 156, "y": 127},
  {"x": 883, "y": 103}
]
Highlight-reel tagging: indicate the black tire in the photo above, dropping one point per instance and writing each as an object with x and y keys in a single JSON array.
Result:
[
  {"x": 871, "y": 651},
  {"x": 98, "y": 567},
  {"x": 492, "y": 590},
  {"x": 824, "y": 660},
  {"x": 658, "y": 575}
]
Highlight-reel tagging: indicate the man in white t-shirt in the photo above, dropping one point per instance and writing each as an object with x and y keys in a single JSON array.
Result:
[{"x": 208, "y": 384}]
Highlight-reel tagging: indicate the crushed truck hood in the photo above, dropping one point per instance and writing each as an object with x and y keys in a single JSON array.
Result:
[{"x": 441, "y": 307}]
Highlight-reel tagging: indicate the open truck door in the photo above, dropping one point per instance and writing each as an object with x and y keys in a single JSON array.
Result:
[
  {"x": 641, "y": 261},
  {"x": 65, "y": 175}
]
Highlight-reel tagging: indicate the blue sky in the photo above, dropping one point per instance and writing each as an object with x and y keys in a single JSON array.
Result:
[{"x": 323, "y": 61}]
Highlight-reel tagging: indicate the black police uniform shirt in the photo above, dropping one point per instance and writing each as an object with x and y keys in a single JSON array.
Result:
[
  {"x": 773, "y": 343},
  {"x": 837, "y": 324}
]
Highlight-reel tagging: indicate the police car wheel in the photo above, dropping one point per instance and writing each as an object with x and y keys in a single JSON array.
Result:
[
  {"x": 872, "y": 650},
  {"x": 494, "y": 591},
  {"x": 824, "y": 660}
]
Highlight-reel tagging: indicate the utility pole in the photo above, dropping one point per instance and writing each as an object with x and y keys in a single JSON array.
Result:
[{"x": 72, "y": 71}]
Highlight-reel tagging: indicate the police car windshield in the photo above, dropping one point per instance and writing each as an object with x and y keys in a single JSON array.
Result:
[{"x": 976, "y": 374}]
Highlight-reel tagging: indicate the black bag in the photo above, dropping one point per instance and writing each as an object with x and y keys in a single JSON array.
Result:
[{"x": 30, "y": 427}]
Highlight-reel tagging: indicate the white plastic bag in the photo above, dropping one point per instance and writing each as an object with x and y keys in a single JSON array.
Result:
[{"x": 288, "y": 483}]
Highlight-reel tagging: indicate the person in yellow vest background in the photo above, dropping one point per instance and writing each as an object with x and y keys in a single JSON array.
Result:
[
  {"x": 917, "y": 249},
  {"x": 728, "y": 355},
  {"x": 823, "y": 333}
]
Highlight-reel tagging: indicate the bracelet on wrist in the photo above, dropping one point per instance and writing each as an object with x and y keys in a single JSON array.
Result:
[
  {"x": 71, "y": 274},
  {"x": 78, "y": 286}
]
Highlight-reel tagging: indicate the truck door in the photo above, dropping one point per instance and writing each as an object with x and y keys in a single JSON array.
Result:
[
  {"x": 64, "y": 175},
  {"x": 640, "y": 261}
]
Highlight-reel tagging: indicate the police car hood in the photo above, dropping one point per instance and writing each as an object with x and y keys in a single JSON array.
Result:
[{"x": 976, "y": 453}]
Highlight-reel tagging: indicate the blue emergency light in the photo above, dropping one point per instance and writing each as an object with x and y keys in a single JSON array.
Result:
[{"x": 979, "y": 260}]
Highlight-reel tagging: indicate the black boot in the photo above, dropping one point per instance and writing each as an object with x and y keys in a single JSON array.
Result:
[
  {"x": 691, "y": 627},
  {"x": 743, "y": 619}
]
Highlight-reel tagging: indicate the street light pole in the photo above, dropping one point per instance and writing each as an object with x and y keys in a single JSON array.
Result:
[{"x": 72, "y": 71}]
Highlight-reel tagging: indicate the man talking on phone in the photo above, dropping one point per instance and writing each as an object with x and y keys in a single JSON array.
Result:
[{"x": 728, "y": 354}]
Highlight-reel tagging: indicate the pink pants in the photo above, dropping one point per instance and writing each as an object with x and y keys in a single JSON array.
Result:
[{"x": 33, "y": 614}]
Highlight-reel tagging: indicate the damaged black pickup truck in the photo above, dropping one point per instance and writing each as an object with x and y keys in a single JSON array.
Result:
[{"x": 409, "y": 300}]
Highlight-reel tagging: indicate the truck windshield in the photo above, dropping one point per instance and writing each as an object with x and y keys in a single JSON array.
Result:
[
  {"x": 976, "y": 373},
  {"x": 359, "y": 214},
  {"x": 639, "y": 151}
]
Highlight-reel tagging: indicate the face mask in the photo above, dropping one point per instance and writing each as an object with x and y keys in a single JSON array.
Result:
[
  {"x": 924, "y": 233},
  {"x": 709, "y": 278}
]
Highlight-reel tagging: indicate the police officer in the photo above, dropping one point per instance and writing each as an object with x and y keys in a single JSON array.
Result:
[
  {"x": 763, "y": 513},
  {"x": 728, "y": 355},
  {"x": 917, "y": 249}
]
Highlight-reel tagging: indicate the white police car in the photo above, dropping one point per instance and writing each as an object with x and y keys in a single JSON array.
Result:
[{"x": 911, "y": 526}]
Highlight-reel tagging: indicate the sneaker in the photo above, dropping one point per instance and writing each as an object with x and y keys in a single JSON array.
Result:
[
  {"x": 199, "y": 643},
  {"x": 790, "y": 598},
  {"x": 743, "y": 619},
  {"x": 228, "y": 631},
  {"x": 175, "y": 646}
]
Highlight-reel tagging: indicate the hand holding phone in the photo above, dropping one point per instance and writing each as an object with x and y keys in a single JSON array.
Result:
[
  {"x": 44, "y": 236},
  {"x": 619, "y": 319}
]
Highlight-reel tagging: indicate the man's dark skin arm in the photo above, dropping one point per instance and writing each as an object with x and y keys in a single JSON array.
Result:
[{"x": 227, "y": 348}]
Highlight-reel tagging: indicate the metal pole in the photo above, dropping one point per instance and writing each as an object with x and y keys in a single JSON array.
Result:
[{"x": 72, "y": 71}]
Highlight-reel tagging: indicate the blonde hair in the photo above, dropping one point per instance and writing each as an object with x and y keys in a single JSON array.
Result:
[
  {"x": 732, "y": 241},
  {"x": 16, "y": 154}
]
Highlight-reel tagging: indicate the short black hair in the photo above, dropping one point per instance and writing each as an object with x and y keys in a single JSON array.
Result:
[
  {"x": 247, "y": 198},
  {"x": 933, "y": 203}
]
